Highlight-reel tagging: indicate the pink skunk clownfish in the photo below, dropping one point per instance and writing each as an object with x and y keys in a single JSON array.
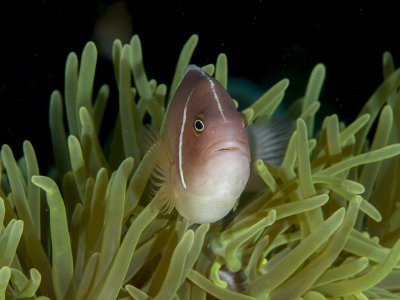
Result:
[{"x": 203, "y": 161}]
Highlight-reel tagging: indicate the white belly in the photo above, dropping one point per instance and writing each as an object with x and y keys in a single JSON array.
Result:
[{"x": 221, "y": 183}]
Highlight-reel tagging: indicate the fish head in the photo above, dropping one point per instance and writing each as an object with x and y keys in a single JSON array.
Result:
[{"x": 214, "y": 145}]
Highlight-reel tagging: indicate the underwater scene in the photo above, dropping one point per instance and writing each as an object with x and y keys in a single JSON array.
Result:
[{"x": 109, "y": 190}]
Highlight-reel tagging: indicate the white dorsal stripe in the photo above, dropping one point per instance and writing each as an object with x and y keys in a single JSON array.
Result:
[
  {"x": 216, "y": 98},
  {"x": 181, "y": 142}
]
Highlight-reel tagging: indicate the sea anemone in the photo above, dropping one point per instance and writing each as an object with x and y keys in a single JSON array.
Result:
[{"x": 325, "y": 224}]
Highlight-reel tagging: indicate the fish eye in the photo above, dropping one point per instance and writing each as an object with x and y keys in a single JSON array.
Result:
[
  {"x": 198, "y": 125},
  {"x": 244, "y": 120}
]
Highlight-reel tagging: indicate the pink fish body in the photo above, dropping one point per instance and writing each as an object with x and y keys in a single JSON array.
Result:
[{"x": 206, "y": 161}]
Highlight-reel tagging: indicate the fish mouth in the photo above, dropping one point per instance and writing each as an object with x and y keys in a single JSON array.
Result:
[
  {"x": 228, "y": 146},
  {"x": 229, "y": 149}
]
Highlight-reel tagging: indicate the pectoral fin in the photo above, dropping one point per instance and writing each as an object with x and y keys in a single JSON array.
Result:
[
  {"x": 164, "y": 174},
  {"x": 268, "y": 139}
]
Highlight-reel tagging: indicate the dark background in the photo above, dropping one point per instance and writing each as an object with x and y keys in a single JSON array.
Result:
[{"x": 264, "y": 43}]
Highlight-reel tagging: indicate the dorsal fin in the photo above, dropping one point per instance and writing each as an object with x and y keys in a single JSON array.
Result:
[{"x": 193, "y": 67}]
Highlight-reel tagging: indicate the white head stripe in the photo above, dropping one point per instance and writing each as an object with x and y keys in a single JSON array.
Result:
[{"x": 180, "y": 140}]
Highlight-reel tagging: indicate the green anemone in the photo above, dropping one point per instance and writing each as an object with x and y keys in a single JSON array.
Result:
[{"x": 325, "y": 225}]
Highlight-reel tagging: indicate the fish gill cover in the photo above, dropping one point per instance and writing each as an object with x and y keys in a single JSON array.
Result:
[{"x": 326, "y": 224}]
